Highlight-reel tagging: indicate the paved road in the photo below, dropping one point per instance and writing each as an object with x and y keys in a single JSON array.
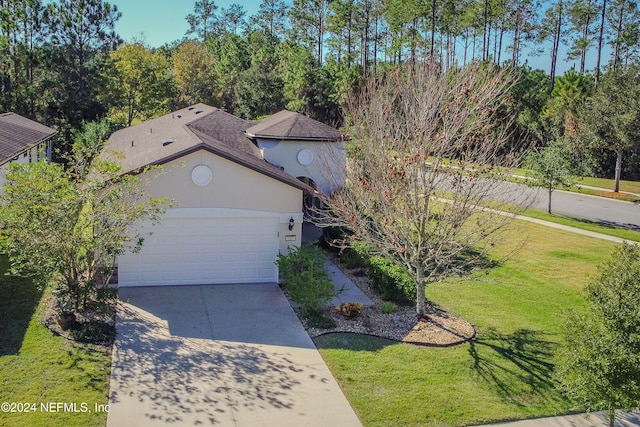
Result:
[{"x": 580, "y": 206}]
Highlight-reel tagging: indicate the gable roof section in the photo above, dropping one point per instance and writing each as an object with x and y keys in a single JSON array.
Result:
[
  {"x": 174, "y": 135},
  {"x": 289, "y": 125},
  {"x": 17, "y": 134}
]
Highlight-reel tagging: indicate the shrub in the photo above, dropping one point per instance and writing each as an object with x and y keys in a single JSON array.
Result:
[
  {"x": 388, "y": 307},
  {"x": 390, "y": 280},
  {"x": 305, "y": 278},
  {"x": 317, "y": 320},
  {"x": 350, "y": 310}
]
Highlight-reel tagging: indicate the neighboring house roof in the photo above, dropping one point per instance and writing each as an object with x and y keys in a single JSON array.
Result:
[
  {"x": 177, "y": 134},
  {"x": 18, "y": 134},
  {"x": 289, "y": 125}
]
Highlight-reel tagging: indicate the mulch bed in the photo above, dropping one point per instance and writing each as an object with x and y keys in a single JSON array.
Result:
[{"x": 437, "y": 328}]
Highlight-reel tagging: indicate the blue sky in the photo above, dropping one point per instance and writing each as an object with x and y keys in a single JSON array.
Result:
[{"x": 162, "y": 21}]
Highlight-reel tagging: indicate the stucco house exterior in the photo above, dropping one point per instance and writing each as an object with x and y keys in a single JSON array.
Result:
[
  {"x": 22, "y": 141},
  {"x": 233, "y": 210}
]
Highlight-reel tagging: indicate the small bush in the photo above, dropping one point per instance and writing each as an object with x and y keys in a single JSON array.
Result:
[
  {"x": 317, "y": 320},
  {"x": 388, "y": 307},
  {"x": 350, "y": 310},
  {"x": 94, "y": 331},
  {"x": 305, "y": 278},
  {"x": 391, "y": 280}
]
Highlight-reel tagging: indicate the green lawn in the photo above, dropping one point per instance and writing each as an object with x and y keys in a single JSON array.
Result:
[
  {"x": 625, "y": 186},
  {"x": 506, "y": 373},
  {"x": 621, "y": 232},
  {"x": 39, "y": 367}
]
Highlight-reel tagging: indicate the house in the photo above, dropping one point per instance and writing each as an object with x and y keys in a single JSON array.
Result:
[
  {"x": 22, "y": 141},
  {"x": 234, "y": 210}
]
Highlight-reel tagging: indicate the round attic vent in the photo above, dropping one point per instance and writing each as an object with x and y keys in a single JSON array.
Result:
[
  {"x": 201, "y": 175},
  {"x": 305, "y": 157}
]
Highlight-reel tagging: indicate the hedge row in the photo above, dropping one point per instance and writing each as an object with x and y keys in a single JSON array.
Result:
[{"x": 390, "y": 280}]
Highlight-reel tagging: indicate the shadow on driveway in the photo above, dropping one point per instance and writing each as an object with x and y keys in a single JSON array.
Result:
[{"x": 218, "y": 355}]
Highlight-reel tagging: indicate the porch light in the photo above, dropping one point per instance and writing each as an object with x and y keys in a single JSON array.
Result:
[{"x": 291, "y": 222}]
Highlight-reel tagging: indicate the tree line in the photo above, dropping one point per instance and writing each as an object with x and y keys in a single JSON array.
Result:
[{"x": 63, "y": 64}]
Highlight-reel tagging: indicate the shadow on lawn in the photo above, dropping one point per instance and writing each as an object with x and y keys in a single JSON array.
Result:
[
  {"x": 19, "y": 298},
  {"x": 518, "y": 365}
]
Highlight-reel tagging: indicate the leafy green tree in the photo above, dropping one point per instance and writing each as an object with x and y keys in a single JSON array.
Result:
[
  {"x": 68, "y": 230},
  {"x": 88, "y": 143},
  {"x": 259, "y": 89},
  {"x": 83, "y": 33},
  {"x": 568, "y": 94},
  {"x": 139, "y": 84},
  {"x": 22, "y": 33},
  {"x": 296, "y": 66},
  {"x": 551, "y": 167},
  {"x": 192, "y": 74},
  {"x": 231, "y": 56},
  {"x": 610, "y": 118},
  {"x": 598, "y": 363}
]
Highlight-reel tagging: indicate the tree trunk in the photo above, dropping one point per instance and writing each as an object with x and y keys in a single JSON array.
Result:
[
  {"x": 618, "y": 170},
  {"x": 550, "y": 193},
  {"x": 433, "y": 29},
  {"x": 611, "y": 417},
  {"x": 616, "y": 49},
  {"x": 556, "y": 44},
  {"x": 600, "y": 37},
  {"x": 421, "y": 299}
]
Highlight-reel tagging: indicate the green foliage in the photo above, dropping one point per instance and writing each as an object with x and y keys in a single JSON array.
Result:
[
  {"x": 569, "y": 93},
  {"x": 139, "y": 84},
  {"x": 390, "y": 280},
  {"x": 305, "y": 278},
  {"x": 551, "y": 167},
  {"x": 599, "y": 363},
  {"x": 609, "y": 119},
  {"x": 317, "y": 320},
  {"x": 388, "y": 307},
  {"x": 93, "y": 331},
  {"x": 67, "y": 229}
]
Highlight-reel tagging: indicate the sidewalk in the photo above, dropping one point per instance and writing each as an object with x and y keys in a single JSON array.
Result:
[{"x": 596, "y": 419}]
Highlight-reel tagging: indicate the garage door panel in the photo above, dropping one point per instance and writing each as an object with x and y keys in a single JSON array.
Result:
[{"x": 204, "y": 251}]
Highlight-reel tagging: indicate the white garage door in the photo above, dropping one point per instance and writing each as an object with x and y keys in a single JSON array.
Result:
[{"x": 195, "y": 251}]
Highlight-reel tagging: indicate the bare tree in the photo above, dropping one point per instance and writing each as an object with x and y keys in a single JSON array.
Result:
[{"x": 427, "y": 151}]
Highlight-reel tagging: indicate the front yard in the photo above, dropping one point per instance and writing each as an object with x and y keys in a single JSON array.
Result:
[
  {"x": 41, "y": 372},
  {"x": 507, "y": 372}
]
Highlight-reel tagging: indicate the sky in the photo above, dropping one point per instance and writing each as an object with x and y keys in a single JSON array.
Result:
[
  {"x": 157, "y": 22},
  {"x": 162, "y": 21}
]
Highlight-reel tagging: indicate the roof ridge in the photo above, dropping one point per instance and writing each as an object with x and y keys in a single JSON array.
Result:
[{"x": 295, "y": 121}]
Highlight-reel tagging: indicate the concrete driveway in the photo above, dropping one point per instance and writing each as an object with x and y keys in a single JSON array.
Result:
[{"x": 225, "y": 355}]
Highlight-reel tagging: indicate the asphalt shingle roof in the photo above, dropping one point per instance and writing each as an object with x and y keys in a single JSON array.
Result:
[
  {"x": 289, "y": 125},
  {"x": 174, "y": 135},
  {"x": 18, "y": 133}
]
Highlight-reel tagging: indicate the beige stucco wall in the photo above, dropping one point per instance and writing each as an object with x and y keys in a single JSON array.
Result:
[
  {"x": 233, "y": 187},
  {"x": 327, "y": 168}
]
